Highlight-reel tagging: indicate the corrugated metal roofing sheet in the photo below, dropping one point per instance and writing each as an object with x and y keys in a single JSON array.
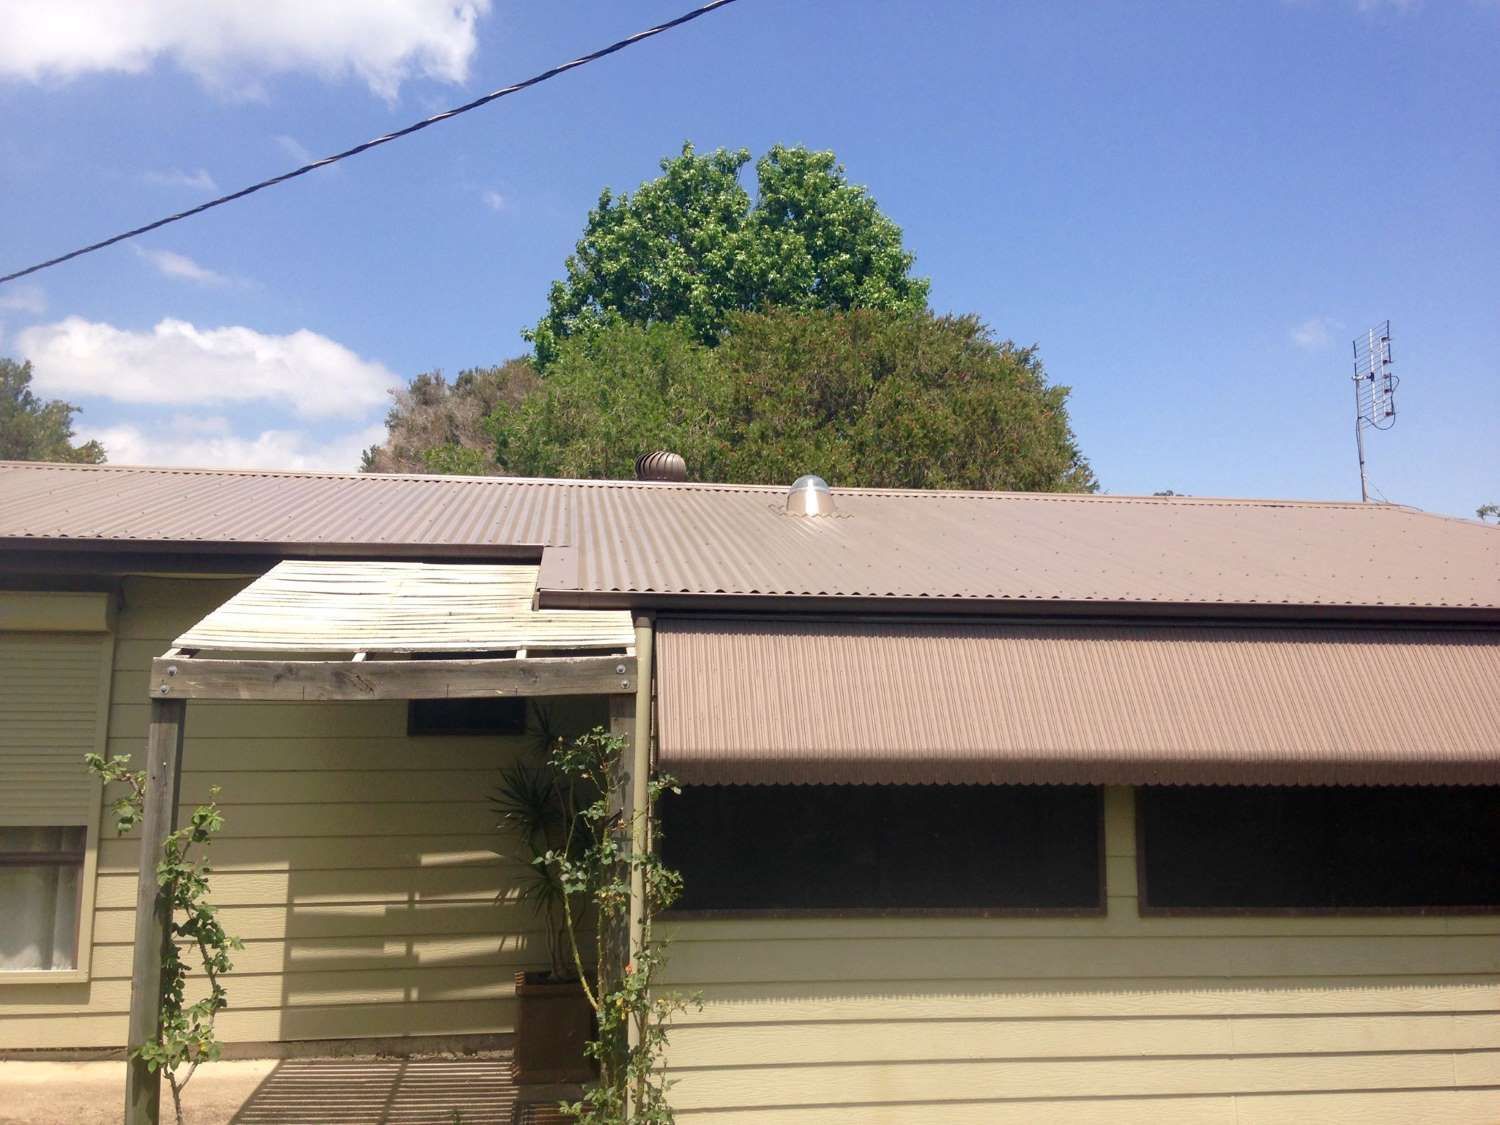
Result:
[
  {"x": 358, "y": 606},
  {"x": 634, "y": 541},
  {"x": 1007, "y": 547},
  {"x": 779, "y": 701},
  {"x": 140, "y": 506}
]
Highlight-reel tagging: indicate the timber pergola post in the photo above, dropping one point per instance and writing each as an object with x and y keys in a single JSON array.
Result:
[
  {"x": 180, "y": 676},
  {"x": 630, "y": 719},
  {"x": 153, "y": 908}
]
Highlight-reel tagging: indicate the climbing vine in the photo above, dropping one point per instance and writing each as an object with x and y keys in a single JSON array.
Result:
[
  {"x": 594, "y": 868},
  {"x": 186, "y": 1038}
]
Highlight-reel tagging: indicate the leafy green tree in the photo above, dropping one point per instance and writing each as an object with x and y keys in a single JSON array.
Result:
[
  {"x": 863, "y": 398},
  {"x": 435, "y": 426},
  {"x": 1488, "y": 511},
  {"x": 690, "y": 247},
  {"x": 611, "y": 395},
  {"x": 35, "y": 430}
]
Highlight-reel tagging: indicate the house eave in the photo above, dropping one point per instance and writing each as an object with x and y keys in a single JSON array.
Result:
[{"x": 1018, "y": 609}]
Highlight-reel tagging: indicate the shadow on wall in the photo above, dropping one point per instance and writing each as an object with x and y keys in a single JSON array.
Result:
[{"x": 388, "y": 923}]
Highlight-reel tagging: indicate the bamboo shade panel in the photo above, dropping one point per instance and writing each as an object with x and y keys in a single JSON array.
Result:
[{"x": 339, "y": 606}]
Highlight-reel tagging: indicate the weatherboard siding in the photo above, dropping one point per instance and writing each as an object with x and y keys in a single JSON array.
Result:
[
  {"x": 1116, "y": 1019},
  {"x": 356, "y": 863}
]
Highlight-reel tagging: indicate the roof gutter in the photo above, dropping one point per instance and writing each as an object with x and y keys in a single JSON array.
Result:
[
  {"x": 1017, "y": 610},
  {"x": 130, "y": 556}
]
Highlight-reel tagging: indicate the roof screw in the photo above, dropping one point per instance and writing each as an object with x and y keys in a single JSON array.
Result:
[
  {"x": 624, "y": 683},
  {"x": 163, "y": 690},
  {"x": 619, "y": 669},
  {"x": 171, "y": 669}
]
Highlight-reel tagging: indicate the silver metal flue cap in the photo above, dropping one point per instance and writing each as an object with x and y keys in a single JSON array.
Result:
[{"x": 809, "y": 496}]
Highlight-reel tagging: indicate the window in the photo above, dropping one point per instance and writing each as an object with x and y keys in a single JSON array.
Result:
[
  {"x": 1250, "y": 848},
  {"x": 490, "y": 715},
  {"x": 41, "y": 875},
  {"x": 885, "y": 848},
  {"x": 497, "y": 715}
]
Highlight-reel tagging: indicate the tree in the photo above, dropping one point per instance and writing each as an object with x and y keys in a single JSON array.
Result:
[
  {"x": 690, "y": 248},
  {"x": 611, "y": 395},
  {"x": 34, "y": 430},
  {"x": 438, "y": 427},
  {"x": 863, "y": 398},
  {"x": 1488, "y": 511}
]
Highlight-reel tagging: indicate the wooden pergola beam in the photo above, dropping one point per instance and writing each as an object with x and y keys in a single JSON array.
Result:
[{"x": 183, "y": 677}]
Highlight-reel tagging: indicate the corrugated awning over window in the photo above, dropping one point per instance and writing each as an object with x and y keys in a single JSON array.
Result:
[{"x": 776, "y": 702}]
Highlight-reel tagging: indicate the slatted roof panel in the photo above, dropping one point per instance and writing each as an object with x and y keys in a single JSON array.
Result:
[{"x": 399, "y": 607}]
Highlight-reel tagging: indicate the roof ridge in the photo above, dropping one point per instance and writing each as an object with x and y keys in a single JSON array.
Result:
[{"x": 720, "y": 486}]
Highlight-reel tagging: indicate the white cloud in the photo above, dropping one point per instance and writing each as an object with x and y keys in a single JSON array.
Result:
[
  {"x": 176, "y": 178},
  {"x": 22, "y": 298},
  {"x": 494, "y": 200},
  {"x": 179, "y": 364},
  {"x": 1315, "y": 333},
  {"x": 230, "y": 44},
  {"x": 295, "y": 149},
  {"x": 210, "y": 442},
  {"x": 180, "y": 267}
]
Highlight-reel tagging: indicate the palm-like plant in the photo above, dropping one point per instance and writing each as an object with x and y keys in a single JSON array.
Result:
[{"x": 530, "y": 806}]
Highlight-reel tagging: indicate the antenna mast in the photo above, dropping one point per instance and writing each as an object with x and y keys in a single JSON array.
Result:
[{"x": 1374, "y": 392}]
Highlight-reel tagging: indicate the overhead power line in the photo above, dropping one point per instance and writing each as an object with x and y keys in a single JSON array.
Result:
[{"x": 446, "y": 115}]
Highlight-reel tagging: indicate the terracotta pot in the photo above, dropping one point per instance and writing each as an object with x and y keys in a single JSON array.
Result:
[{"x": 553, "y": 1022}]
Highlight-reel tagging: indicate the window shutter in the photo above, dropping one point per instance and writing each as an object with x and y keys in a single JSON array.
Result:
[{"x": 52, "y": 699}]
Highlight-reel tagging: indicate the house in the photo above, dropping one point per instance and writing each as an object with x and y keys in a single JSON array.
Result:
[{"x": 996, "y": 807}]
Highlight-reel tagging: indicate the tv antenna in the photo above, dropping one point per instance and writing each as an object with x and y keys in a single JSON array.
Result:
[{"x": 1374, "y": 392}]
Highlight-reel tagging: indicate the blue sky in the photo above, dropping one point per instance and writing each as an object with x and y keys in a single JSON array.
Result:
[{"x": 1191, "y": 208}]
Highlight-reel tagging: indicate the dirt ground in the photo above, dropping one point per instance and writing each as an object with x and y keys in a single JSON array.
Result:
[
  {"x": 93, "y": 1093},
  {"x": 346, "y": 1091}
]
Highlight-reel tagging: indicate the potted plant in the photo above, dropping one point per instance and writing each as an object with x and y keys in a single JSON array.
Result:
[
  {"x": 554, "y": 1022},
  {"x": 605, "y": 1026}
]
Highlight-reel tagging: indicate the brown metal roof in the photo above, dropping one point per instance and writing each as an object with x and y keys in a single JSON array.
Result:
[
  {"x": 786, "y": 701},
  {"x": 633, "y": 543},
  {"x": 194, "y": 508}
]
